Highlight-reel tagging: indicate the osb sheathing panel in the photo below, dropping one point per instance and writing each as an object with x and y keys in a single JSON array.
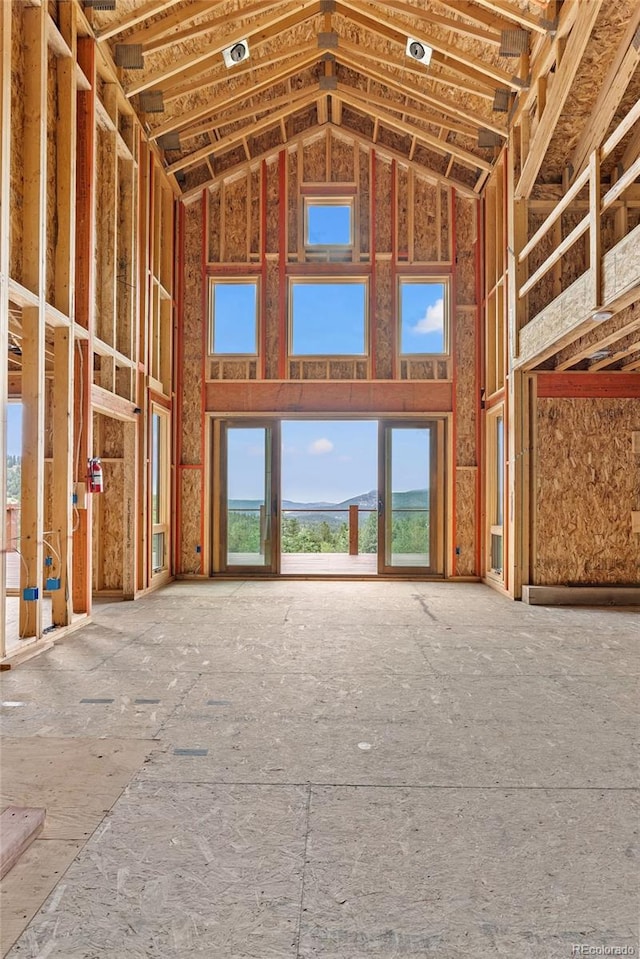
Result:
[
  {"x": 622, "y": 266},
  {"x": 52, "y": 172},
  {"x": 385, "y": 346},
  {"x": 190, "y": 513},
  {"x": 584, "y": 461},
  {"x": 575, "y": 261},
  {"x": 191, "y": 398},
  {"x": 272, "y": 349},
  {"x": 465, "y": 268},
  {"x": 254, "y": 238},
  {"x": 383, "y": 206},
  {"x": 112, "y": 532},
  {"x": 294, "y": 200},
  {"x": 402, "y": 193},
  {"x": 425, "y": 223},
  {"x": 342, "y": 160},
  {"x": 273, "y": 207},
  {"x": 235, "y": 196},
  {"x": 466, "y": 522},
  {"x": 105, "y": 234},
  {"x": 215, "y": 198},
  {"x": 559, "y": 318},
  {"x": 445, "y": 223},
  {"x": 314, "y": 160},
  {"x": 364, "y": 165},
  {"x": 17, "y": 140},
  {"x": 466, "y": 388},
  {"x": 545, "y": 290}
]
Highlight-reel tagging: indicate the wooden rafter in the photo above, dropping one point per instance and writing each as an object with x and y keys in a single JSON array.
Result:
[
  {"x": 370, "y": 99},
  {"x": 556, "y": 98},
  {"x": 196, "y": 30},
  {"x": 511, "y": 11},
  {"x": 180, "y": 18},
  {"x": 250, "y": 111},
  {"x": 431, "y": 100},
  {"x": 346, "y": 133},
  {"x": 272, "y": 118},
  {"x": 477, "y": 87},
  {"x": 261, "y": 29},
  {"x": 134, "y": 17},
  {"x": 476, "y": 14},
  {"x": 483, "y": 34},
  {"x": 396, "y": 31},
  {"x": 435, "y": 143},
  {"x": 239, "y": 94}
]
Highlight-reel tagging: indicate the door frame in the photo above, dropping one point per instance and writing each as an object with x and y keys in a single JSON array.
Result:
[
  {"x": 437, "y": 494},
  {"x": 271, "y": 425}
]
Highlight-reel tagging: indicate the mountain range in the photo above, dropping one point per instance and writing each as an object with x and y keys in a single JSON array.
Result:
[{"x": 408, "y": 499}]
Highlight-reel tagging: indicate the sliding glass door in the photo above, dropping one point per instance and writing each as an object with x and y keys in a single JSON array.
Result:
[
  {"x": 249, "y": 496},
  {"x": 408, "y": 530}
]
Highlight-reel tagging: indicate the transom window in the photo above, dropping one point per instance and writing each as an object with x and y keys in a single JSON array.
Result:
[
  {"x": 328, "y": 222},
  {"x": 328, "y": 317},
  {"x": 424, "y": 316},
  {"x": 233, "y": 306}
]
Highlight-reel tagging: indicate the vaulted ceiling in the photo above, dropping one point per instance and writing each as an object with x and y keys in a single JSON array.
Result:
[{"x": 313, "y": 62}]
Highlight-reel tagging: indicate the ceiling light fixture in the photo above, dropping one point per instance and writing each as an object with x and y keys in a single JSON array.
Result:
[
  {"x": 419, "y": 51},
  {"x": 236, "y": 53},
  {"x": 601, "y": 315}
]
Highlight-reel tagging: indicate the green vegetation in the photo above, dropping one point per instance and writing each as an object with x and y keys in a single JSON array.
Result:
[
  {"x": 13, "y": 478},
  {"x": 410, "y": 533}
]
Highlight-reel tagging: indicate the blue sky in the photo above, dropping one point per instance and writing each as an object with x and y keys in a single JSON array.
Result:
[
  {"x": 422, "y": 317},
  {"x": 328, "y": 318},
  {"x": 14, "y": 429},
  {"x": 326, "y": 460},
  {"x": 235, "y": 318},
  {"x": 328, "y": 224}
]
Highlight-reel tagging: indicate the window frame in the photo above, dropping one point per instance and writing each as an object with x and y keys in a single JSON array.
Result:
[
  {"x": 333, "y": 280},
  {"x": 426, "y": 280},
  {"x": 496, "y": 490},
  {"x": 232, "y": 281},
  {"x": 335, "y": 201},
  {"x": 159, "y": 460}
]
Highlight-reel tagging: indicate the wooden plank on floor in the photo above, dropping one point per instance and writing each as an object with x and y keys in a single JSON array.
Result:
[{"x": 19, "y": 826}]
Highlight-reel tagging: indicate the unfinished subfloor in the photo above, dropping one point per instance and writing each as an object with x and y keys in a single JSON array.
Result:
[{"x": 336, "y": 770}]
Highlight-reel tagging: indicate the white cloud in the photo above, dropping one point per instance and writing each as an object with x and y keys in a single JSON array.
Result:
[
  {"x": 320, "y": 446},
  {"x": 432, "y": 321}
]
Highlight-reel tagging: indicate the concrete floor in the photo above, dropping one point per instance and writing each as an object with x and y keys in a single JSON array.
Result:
[{"x": 287, "y": 770}]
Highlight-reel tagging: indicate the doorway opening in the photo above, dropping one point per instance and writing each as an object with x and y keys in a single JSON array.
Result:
[{"x": 329, "y": 497}]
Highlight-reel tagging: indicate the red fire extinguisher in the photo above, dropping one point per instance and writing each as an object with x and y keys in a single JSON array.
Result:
[{"x": 95, "y": 476}]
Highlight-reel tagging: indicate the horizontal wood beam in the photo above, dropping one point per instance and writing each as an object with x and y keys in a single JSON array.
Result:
[
  {"x": 569, "y": 385},
  {"x": 134, "y": 17},
  {"x": 375, "y": 397}
]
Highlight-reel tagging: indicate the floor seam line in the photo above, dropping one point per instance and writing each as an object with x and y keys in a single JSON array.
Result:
[{"x": 304, "y": 867}]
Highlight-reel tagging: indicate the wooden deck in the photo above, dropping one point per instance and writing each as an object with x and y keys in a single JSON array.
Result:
[{"x": 328, "y": 564}]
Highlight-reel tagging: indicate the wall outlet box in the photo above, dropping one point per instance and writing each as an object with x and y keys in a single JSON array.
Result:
[
  {"x": 635, "y": 520},
  {"x": 80, "y": 495},
  {"x": 30, "y": 593},
  {"x": 53, "y": 582}
]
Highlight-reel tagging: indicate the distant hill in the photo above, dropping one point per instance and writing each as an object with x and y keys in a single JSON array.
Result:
[{"x": 409, "y": 499}]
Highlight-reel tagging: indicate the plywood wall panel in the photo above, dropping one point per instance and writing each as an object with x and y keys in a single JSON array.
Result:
[
  {"x": 402, "y": 193},
  {"x": 235, "y": 199},
  {"x": 215, "y": 200},
  {"x": 342, "y": 168},
  {"x": 191, "y": 338},
  {"x": 189, "y": 534},
  {"x": 273, "y": 208},
  {"x": 465, "y": 267},
  {"x": 382, "y": 317},
  {"x": 383, "y": 206},
  {"x": 111, "y": 534},
  {"x": 585, "y": 467},
  {"x": 364, "y": 205},
  {"x": 272, "y": 345},
  {"x": 466, "y": 388},
  {"x": 293, "y": 193},
  {"x": 314, "y": 160},
  {"x": 254, "y": 217},
  {"x": 425, "y": 218},
  {"x": 466, "y": 507}
]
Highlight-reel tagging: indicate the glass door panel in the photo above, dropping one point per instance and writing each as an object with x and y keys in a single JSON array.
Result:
[
  {"x": 249, "y": 502},
  {"x": 407, "y": 523}
]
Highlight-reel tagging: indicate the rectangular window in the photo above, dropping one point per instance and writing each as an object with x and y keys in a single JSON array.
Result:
[
  {"x": 328, "y": 223},
  {"x": 495, "y": 423},
  {"x": 423, "y": 316},
  {"x": 234, "y": 317},
  {"x": 328, "y": 318}
]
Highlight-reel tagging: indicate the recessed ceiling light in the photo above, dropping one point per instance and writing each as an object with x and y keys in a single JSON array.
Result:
[
  {"x": 601, "y": 315},
  {"x": 419, "y": 51},
  {"x": 236, "y": 53}
]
